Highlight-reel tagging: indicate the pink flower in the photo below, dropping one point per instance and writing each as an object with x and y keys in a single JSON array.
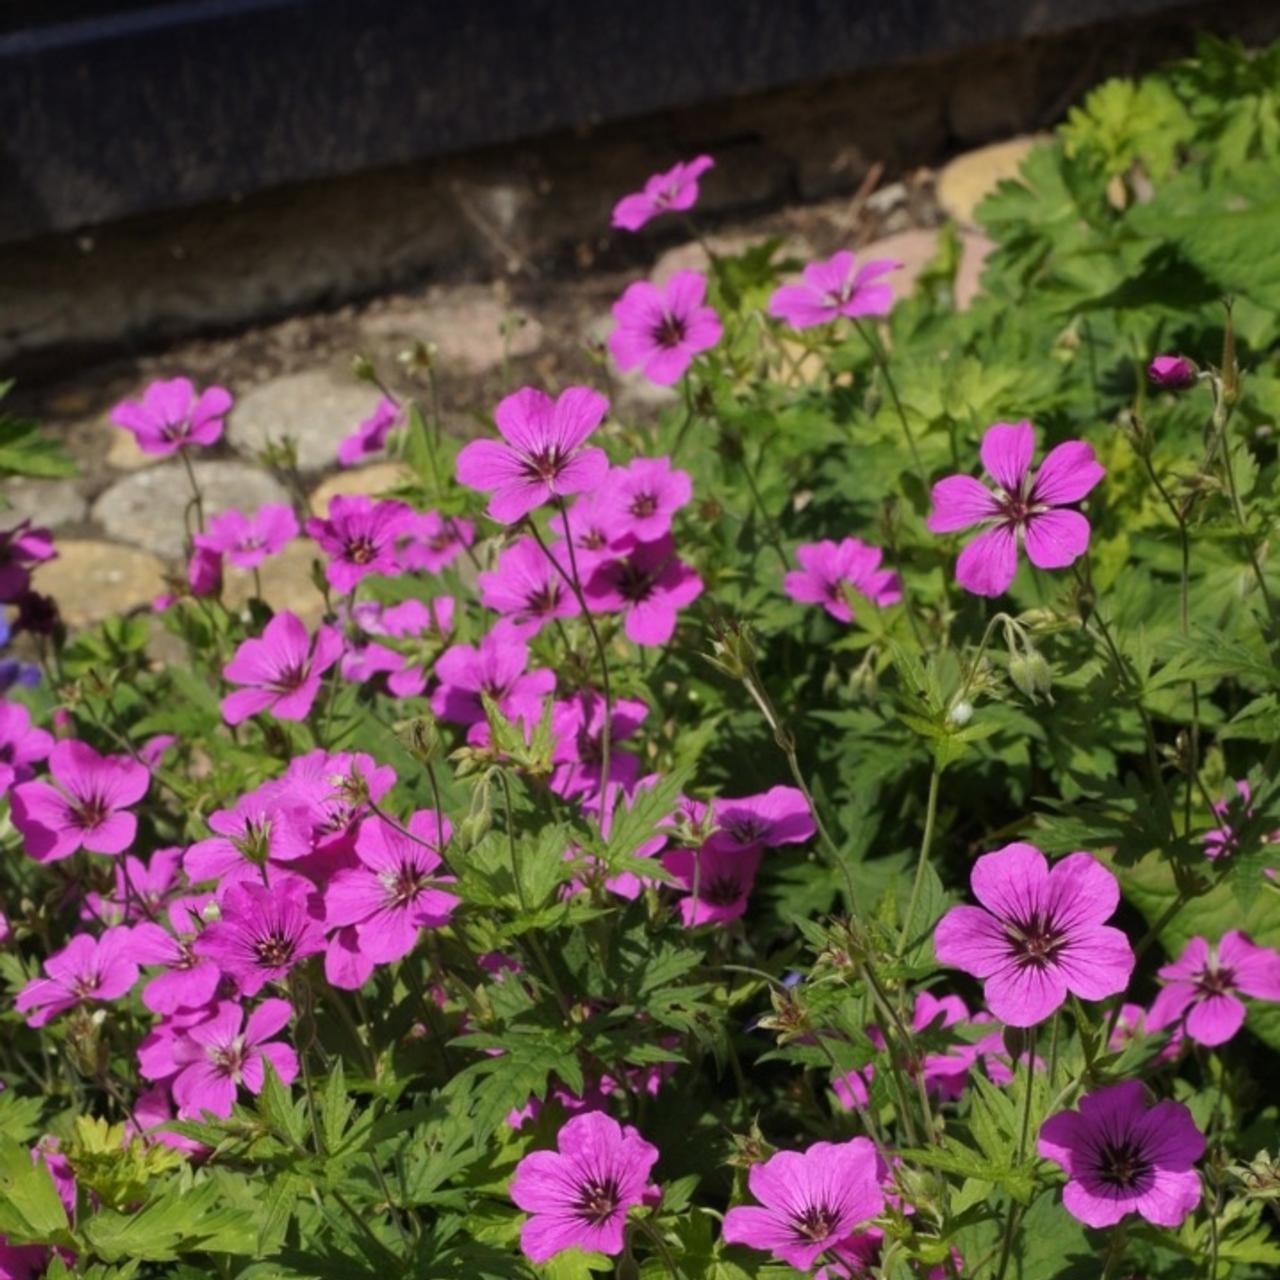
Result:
[
  {"x": 578, "y": 1195},
  {"x": 809, "y": 1200},
  {"x": 394, "y": 891},
  {"x": 1201, "y": 987},
  {"x": 595, "y": 1097},
  {"x": 595, "y": 525},
  {"x": 1134, "y": 1023},
  {"x": 427, "y": 622},
  {"x": 214, "y": 1057},
  {"x": 188, "y": 981},
  {"x": 281, "y": 670},
  {"x": 141, "y": 888},
  {"x": 264, "y": 930},
  {"x": 1022, "y": 507},
  {"x": 247, "y": 541},
  {"x": 719, "y": 881},
  {"x": 831, "y": 572},
  {"x": 204, "y": 572},
  {"x": 260, "y": 827},
  {"x": 577, "y": 724},
  {"x": 526, "y": 588},
  {"x": 777, "y": 816},
  {"x": 1038, "y": 934},
  {"x": 21, "y": 744},
  {"x": 540, "y": 456},
  {"x": 497, "y": 668},
  {"x": 1123, "y": 1157},
  {"x": 648, "y": 585},
  {"x": 21, "y": 547},
  {"x": 677, "y": 188},
  {"x": 88, "y": 809},
  {"x": 86, "y": 968},
  {"x": 434, "y": 541},
  {"x": 661, "y": 328},
  {"x": 359, "y": 537},
  {"x": 643, "y": 497},
  {"x": 834, "y": 288},
  {"x": 1172, "y": 371},
  {"x": 1224, "y": 839},
  {"x": 371, "y": 435},
  {"x": 170, "y": 415}
]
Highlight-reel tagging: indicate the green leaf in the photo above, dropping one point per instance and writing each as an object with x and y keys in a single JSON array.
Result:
[{"x": 30, "y": 1208}]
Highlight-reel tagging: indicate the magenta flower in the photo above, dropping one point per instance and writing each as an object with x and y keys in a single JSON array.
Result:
[
  {"x": 394, "y": 891},
  {"x": 264, "y": 930},
  {"x": 359, "y": 536},
  {"x": 831, "y": 573},
  {"x": 204, "y": 572},
  {"x": 540, "y": 456},
  {"x": 171, "y": 415},
  {"x": 141, "y": 888},
  {"x": 326, "y": 794},
  {"x": 371, "y": 435},
  {"x": 1201, "y": 985},
  {"x": 809, "y": 1200},
  {"x": 20, "y": 548},
  {"x": 1123, "y": 1157},
  {"x": 719, "y": 881},
  {"x": 88, "y": 809},
  {"x": 595, "y": 526},
  {"x": 497, "y": 668},
  {"x": 661, "y": 328},
  {"x": 260, "y": 828},
  {"x": 643, "y": 497},
  {"x": 526, "y": 588},
  {"x": 777, "y": 816},
  {"x": 216, "y": 1056},
  {"x": 429, "y": 623},
  {"x": 647, "y": 585},
  {"x": 1135, "y": 1023},
  {"x": 247, "y": 541},
  {"x": 1224, "y": 839},
  {"x": 1176, "y": 373},
  {"x": 578, "y": 1195},
  {"x": 434, "y": 541},
  {"x": 832, "y": 288},
  {"x": 281, "y": 669},
  {"x": 187, "y": 981},
  {"x": 21, "y": 744},
  {"x": 1038, "y": 934},
  {"x": 1032, "y": 509},
  {"x": 86, "y": 968},
  {"x": 577, "y": 724},
  {"x": 677, "y": 188}
]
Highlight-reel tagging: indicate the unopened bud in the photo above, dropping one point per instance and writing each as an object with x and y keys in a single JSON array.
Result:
[
  {"x": 421, "y": 738},
  {"x": 1173, "y": 372},
  {"x": 1031, "y": 674},
  {"x": 961, "y": 712},
  {"x": 362, "y": 368},
  {"x": 475, "y": 826}
]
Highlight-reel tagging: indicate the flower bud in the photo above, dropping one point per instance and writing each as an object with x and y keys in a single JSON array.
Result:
[
  {"x": 362, "y": 368},
  {"x": 1173, "y": 372},
  {"x": 1031, "y": 674},
  {"x": 961, "y": 713},
  {"x": 421, "y": 738}
]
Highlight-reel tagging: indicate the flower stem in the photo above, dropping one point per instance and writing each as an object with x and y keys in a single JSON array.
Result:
[
  {"x": 930, "y": 818},
  {"x": 196, "y": 496},
  {"x": 877, "y": 354}
]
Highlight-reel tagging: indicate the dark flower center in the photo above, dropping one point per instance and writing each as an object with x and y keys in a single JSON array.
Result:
[
  {"x": 598, "y": 1200},
  {"x": 1037, "y": 941},
  {"x": 813, "y": 1223},
  {"x": 1214, "y": 982},
  {"x": 644, "y": 504},
  {"x": 403, "y": 884},
  {"x": 441, "y": 541},
  {"x": 543, "y": 600},
  {"x": 288, "y": 679},
  {"x": 593, "y": 540},
  {"x": 634, "y": 583},
  {"x": 174, "y": 430},
  {"x": 747, "y": 829},
  {"x": 544, "y": 466},
  {"x": 720, "y": 891},
  {"x": 91, "y": 812},
  {"x": 229, "y": 1058},
  {"x": 274, "y": 950},
  {"x": 86, "y": 984},
  {"x": 669, "y": 332},
  {"x": 1122, "y": 1164},
  {"x": 361, "y": 550}
]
